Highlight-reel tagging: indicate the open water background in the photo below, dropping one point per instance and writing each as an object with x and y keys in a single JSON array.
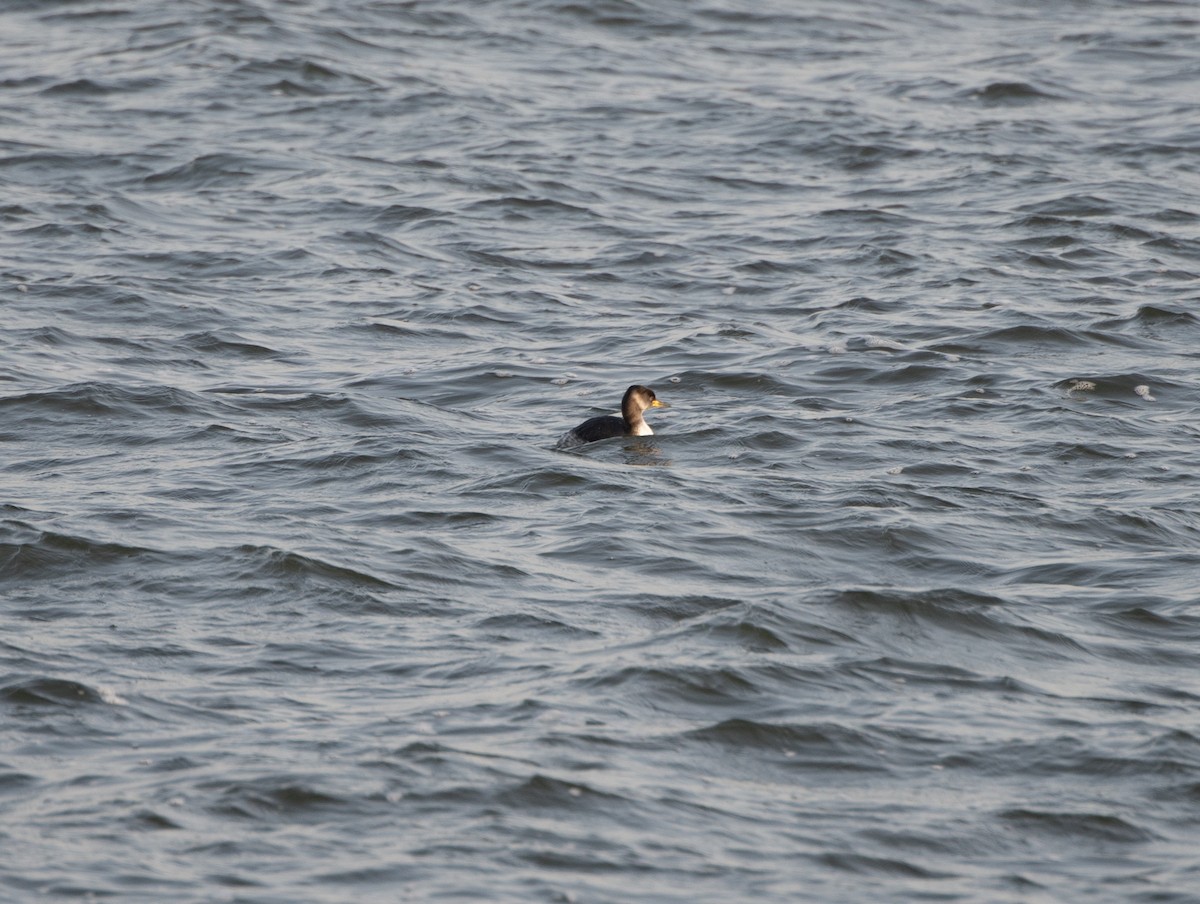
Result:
[{"x": 299, "y": 603}]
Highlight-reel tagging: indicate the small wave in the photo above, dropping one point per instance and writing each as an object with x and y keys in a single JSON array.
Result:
[
  {"x": 396, "y": 215},
  {"x": 86, "y": 87},
  {"x": 33, "y": 554},
  {"x": 883, "y": 866},
  {"x": 1022, "y": 337},
  {"x": 745, "y": 634},
  {"x": 1150, "y": 316},
  {"x": 1071, "y": 204},
  {"x": 107, "y": 399},
  {"x": 545, "y": 792},
  {"x": 959, "y": 610},
  {"x": 639, "y": 19},
  {"x": 1089, "y": 827},
  {"x": 296, "y": 76},
  {"x": 516, "y": 208},
  {"x": 1003, "y": 93},
  {"x": 525, "y": 625},
  {"x": 15, "y": 781},
  {"x": 275, "y": 800},
  {"x": 338, "y": 406},
  {"x": 215, "y": 171},
  {"x": 227, "y": 344},
  {"x": 145, "y": 819},
  {"x": 684, "y": 685},
  {"x": 49, "y": 692},
  {"x": 819, "y": 746},
  {"x": 268, "y": 562}
]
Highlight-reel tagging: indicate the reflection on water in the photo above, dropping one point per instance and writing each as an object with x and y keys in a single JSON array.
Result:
[{"x": 644, "y": 452}]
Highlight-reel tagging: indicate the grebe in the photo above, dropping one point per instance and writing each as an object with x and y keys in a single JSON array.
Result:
[{"x": 637, "y": 399}]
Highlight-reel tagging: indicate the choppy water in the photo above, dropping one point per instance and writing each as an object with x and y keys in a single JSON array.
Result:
[{"x": 300, "y": 604}]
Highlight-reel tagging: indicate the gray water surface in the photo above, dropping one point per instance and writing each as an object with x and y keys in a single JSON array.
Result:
[{"x": 299, "y": 602}]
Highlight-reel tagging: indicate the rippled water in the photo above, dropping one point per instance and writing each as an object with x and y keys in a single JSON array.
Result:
[{"x": 900, "y": 601}]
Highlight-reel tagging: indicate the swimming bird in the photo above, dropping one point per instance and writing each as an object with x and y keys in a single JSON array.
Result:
[{"x": 636, "y": 400}]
